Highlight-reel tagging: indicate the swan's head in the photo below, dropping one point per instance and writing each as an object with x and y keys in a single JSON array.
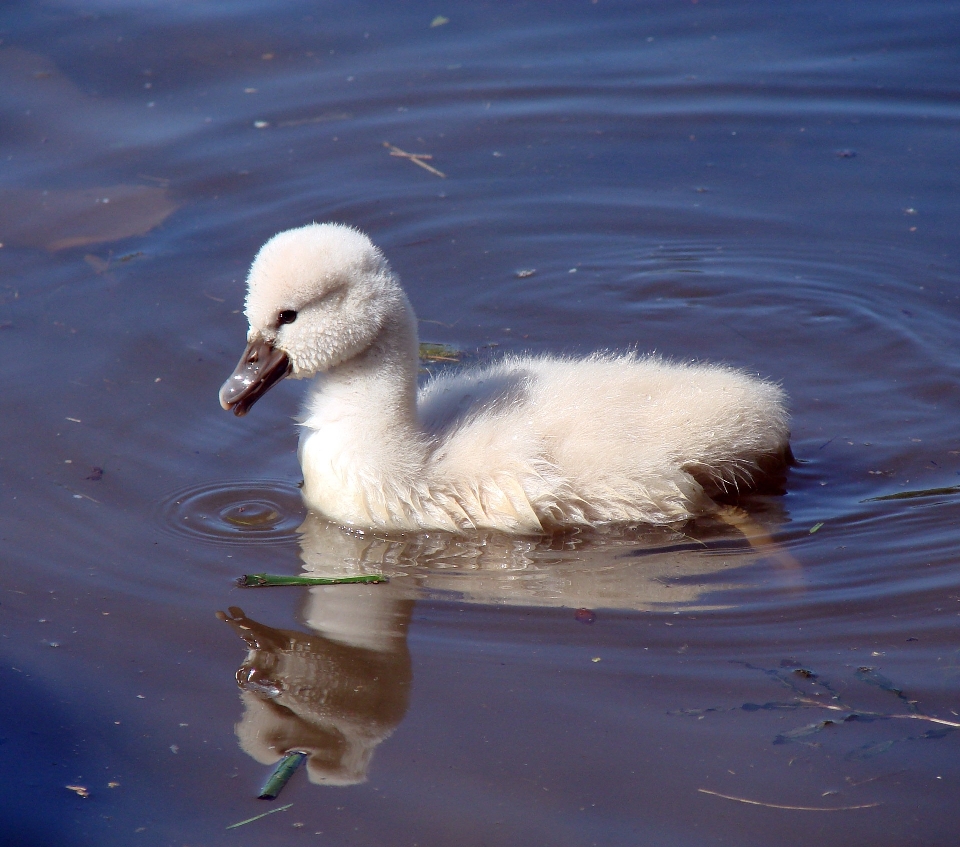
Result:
[{"x": 316, "y": 297}]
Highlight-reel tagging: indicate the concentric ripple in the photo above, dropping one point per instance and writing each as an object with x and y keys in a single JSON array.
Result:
[{"x": 235, "y": 512}]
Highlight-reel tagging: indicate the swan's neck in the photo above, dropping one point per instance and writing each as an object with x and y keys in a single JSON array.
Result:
[
  {"x": 360, "y": 432},
  {"x": 377, "y": 388}
]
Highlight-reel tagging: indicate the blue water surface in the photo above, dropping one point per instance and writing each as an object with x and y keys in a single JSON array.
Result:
[{"x": 771, "y": 186}]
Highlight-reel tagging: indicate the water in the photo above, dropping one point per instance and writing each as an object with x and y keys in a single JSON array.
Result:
[{"x": 771, "y": 187}]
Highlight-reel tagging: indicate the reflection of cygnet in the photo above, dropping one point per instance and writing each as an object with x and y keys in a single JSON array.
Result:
[
  {"x": 525, "y": 445},
  {"x": 655, "y": 568},
  {"x": 339, "y": 691},
  {"x": 334, "y": 701}
]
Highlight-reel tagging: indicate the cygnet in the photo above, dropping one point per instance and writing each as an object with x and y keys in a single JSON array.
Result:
[{"x": 527, "y": 444}]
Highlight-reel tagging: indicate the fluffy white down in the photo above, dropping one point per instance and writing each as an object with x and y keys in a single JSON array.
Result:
[{"x": 525, "y": 445}]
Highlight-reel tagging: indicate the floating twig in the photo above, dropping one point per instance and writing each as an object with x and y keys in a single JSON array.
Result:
[
  {"x": 806, "y": 701},
  {"x": 789, "y": 808},
  {"x": 257, "y": 817},
  {"x": 329, "y": 116},
  {"x": 266, "y": 580},
  {"x": 799, "y": 680},
  {"x": 281, "y": 773},
  {"x": 416, "y": 158},
  {"x": 76, "y": 494}
]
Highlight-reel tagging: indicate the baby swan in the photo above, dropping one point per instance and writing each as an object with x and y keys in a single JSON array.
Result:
[{"x": 525, "y": 445}]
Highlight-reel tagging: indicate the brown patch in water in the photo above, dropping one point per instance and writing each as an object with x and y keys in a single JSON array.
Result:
[{"x": 59, "y": 220}]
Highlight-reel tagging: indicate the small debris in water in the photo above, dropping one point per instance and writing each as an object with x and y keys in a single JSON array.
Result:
[
  {"x": 846, "y": 154},
  {"x": 79, "y": 790},
  {"x": 801, "y": 732},
  {"x": 430, "y": 352},
  {"x": 439, "y": 20},
  {"x": 99, "y": 265},
  {"x": 523, "y": 273},
  {"x": 815, "y": 527},
  {"x": 585, "y": 616},
  {"x": 872, "y": 677},
  {"x": 95, "y": 475}
]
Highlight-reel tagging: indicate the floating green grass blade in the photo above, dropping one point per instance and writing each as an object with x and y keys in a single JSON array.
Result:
[
  {"x": 266, "y": 580},
  {"x": 909, "y": 495},
  {"x": 281, "y": 773}
]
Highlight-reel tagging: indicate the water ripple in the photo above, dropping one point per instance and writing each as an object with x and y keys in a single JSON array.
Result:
[{"x": 234, "y": 512}]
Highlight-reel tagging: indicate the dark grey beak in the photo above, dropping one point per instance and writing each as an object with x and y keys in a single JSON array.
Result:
[{"x": 261, "y": 366}]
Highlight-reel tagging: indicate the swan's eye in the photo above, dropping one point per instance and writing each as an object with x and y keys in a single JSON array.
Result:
[{"x": 287, "y": 316}]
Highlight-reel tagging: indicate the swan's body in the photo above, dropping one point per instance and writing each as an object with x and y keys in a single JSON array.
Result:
[{"x": 524, "y": 445}]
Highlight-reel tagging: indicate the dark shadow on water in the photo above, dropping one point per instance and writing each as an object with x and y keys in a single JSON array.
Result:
[{"x": 38, "y": 761}]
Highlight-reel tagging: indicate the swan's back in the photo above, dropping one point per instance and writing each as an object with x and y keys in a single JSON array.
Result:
[{"x": 606, "y": 438}]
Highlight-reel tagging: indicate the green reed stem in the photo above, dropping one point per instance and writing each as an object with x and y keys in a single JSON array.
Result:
[
  {"x": 281, "y": 773},
  {"x": 266, "y": 580}
]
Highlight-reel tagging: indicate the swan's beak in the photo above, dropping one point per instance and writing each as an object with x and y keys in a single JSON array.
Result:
[{"x": 260, "y": 367}]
